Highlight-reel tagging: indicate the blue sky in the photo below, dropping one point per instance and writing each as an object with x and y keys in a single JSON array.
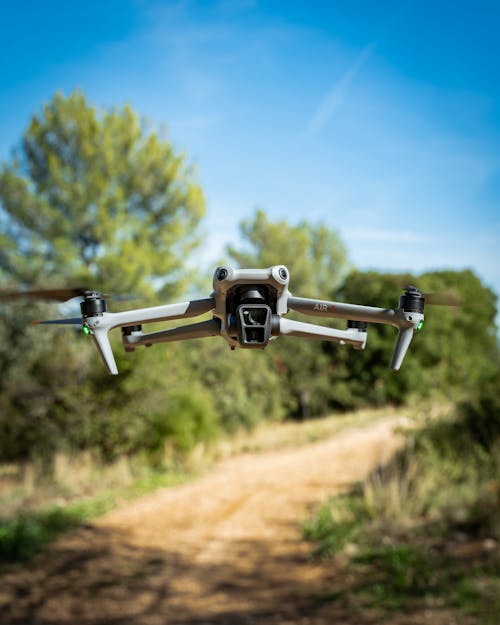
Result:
[{"x": 381, "y": 119}]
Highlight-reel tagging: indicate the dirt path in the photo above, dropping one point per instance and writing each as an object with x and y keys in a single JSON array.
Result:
[{"x": 226, "y": 549}]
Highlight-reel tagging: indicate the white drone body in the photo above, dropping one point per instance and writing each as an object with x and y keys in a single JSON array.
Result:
[{"x": 249, "y": 308}]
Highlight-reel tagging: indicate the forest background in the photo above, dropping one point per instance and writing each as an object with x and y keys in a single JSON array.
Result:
[{"x": 100, "y": 198}]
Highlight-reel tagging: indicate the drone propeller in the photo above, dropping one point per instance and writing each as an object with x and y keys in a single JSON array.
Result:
[
  {"x": 448, "y": 298},
  {"x": 442, "y": 299},
  {"x": 53, "y": 295},
  {"x": 60, "y": 295},
  {"x": 74, "y": 321}
]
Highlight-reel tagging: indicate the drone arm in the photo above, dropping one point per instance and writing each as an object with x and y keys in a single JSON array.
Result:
[
  {"x": 341, "y": 310},
  {"x": 100, "y": 325},
  {"x": 407, "y": 322},
  {"x": 181, "y": 333},
  {"x": 352, "y": 336},
  {"x": 182, "y": 310},
  {"x": 403, "y": 341},
  {"x": 101, "y": 340}
]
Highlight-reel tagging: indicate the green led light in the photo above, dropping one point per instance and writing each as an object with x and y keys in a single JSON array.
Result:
[
  {"x": 86, "y": 329},
  {"x": 420, "y": 325}
]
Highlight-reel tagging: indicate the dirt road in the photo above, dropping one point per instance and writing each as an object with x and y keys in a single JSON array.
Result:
[{"x": 226, "y": 549}]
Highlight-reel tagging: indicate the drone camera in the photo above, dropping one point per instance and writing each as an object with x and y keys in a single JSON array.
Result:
[{"x": 253, "y": 322}]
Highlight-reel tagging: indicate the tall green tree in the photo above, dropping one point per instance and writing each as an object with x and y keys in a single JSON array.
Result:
[
  {"x": 314, "y": 254},
  {"x": 96, "y": 197},
  {"x": 317, "y": 260},
  {"x": 90, "y": 197}
]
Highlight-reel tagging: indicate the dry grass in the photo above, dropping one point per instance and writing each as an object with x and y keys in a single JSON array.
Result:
[
  {"x": 81, "y": 476},
  {"x": 274, "y": 436}
]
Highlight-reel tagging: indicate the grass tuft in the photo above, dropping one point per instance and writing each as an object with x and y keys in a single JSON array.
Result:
[{"x": 424, "y": 531}]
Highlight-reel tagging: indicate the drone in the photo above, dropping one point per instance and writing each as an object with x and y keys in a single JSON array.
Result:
[{"x": 249, "y": 308}]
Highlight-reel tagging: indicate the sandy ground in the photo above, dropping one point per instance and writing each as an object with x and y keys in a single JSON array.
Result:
[{"x": 226, "y": 549}]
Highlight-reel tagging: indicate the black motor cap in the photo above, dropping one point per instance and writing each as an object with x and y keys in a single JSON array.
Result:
[
  {"x": 412, "y": 300},
  {"x": 93, "y": 305}
]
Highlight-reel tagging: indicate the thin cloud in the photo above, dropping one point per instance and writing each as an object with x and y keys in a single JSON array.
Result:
[{"x": 337, "y": 94}]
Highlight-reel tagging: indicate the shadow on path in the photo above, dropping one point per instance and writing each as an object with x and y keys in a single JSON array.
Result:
[{"x": 96, "y": 577}]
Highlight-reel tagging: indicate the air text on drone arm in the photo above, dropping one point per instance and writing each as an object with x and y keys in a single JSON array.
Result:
[{"x": 342, "y": 310}]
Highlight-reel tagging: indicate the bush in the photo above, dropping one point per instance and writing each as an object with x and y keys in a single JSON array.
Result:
[
  {"x": 457, "y": 348},
  {"x": 446, "y": 478},
  {"x": 188, "y": 418}
]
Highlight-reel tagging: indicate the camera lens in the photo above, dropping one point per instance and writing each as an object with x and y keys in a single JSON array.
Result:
[
  {"x": 255, "y": 317},
  {"x": 253, "y": 325},
  {"x": 221, "y": 273}
]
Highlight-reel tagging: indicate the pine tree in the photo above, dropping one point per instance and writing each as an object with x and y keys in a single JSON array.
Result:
[{"x": 95, "y": 197}]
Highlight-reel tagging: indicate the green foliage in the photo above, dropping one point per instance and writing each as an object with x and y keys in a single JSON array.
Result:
[
  {"x": 95, "y": 197},
  {"x": 458, "y": 460},
  {"x": 314, "y": 254},
  {"x": 188, "y": 418},
  {"x": 403, "y": 576},
  {"x": 403, "y": 571},
  {"x": 22, "y": 537},
  {"x": 401, "y": 522},
  {"x": 43, "y": 381},
  {"x": 245, "y": 389},
  {"x": 316, "y": 259},
  {"x": 335, "y": 524},
  {"x": 457, "y": 346},
  {"x": 413, "y": 576},
  {"x": 448, "y": 475},
  {"x": 479, "y": 415},
  {"x": 455, "y": 349}
]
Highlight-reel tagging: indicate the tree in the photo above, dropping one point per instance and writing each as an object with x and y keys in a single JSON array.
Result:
[
  {"x": 455, "y": 349},
  {"x": 314, "y": 254},
  {"x": 316, "y": 259},
  {"x": 95, "y": 197},
  {"x": 90, "y": 198}
]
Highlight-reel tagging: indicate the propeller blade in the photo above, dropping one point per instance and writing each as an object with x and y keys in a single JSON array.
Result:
[
  {"x": 54, "y": 295},
  {"x": 448, "y": 298},
  {"x": 442, "y": 299},
  {"x": 60, "y": 295},
  {"x": 75, "y": 321}
]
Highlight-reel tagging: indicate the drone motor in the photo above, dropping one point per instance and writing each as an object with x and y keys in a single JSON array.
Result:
[{"x": 93, "y": 304}]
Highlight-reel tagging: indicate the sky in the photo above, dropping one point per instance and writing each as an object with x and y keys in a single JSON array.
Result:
[{"x": 379, "y": 119}]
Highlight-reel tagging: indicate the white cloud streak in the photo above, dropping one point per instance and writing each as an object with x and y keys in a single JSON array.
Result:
[{"x": 337, "y": 94}]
